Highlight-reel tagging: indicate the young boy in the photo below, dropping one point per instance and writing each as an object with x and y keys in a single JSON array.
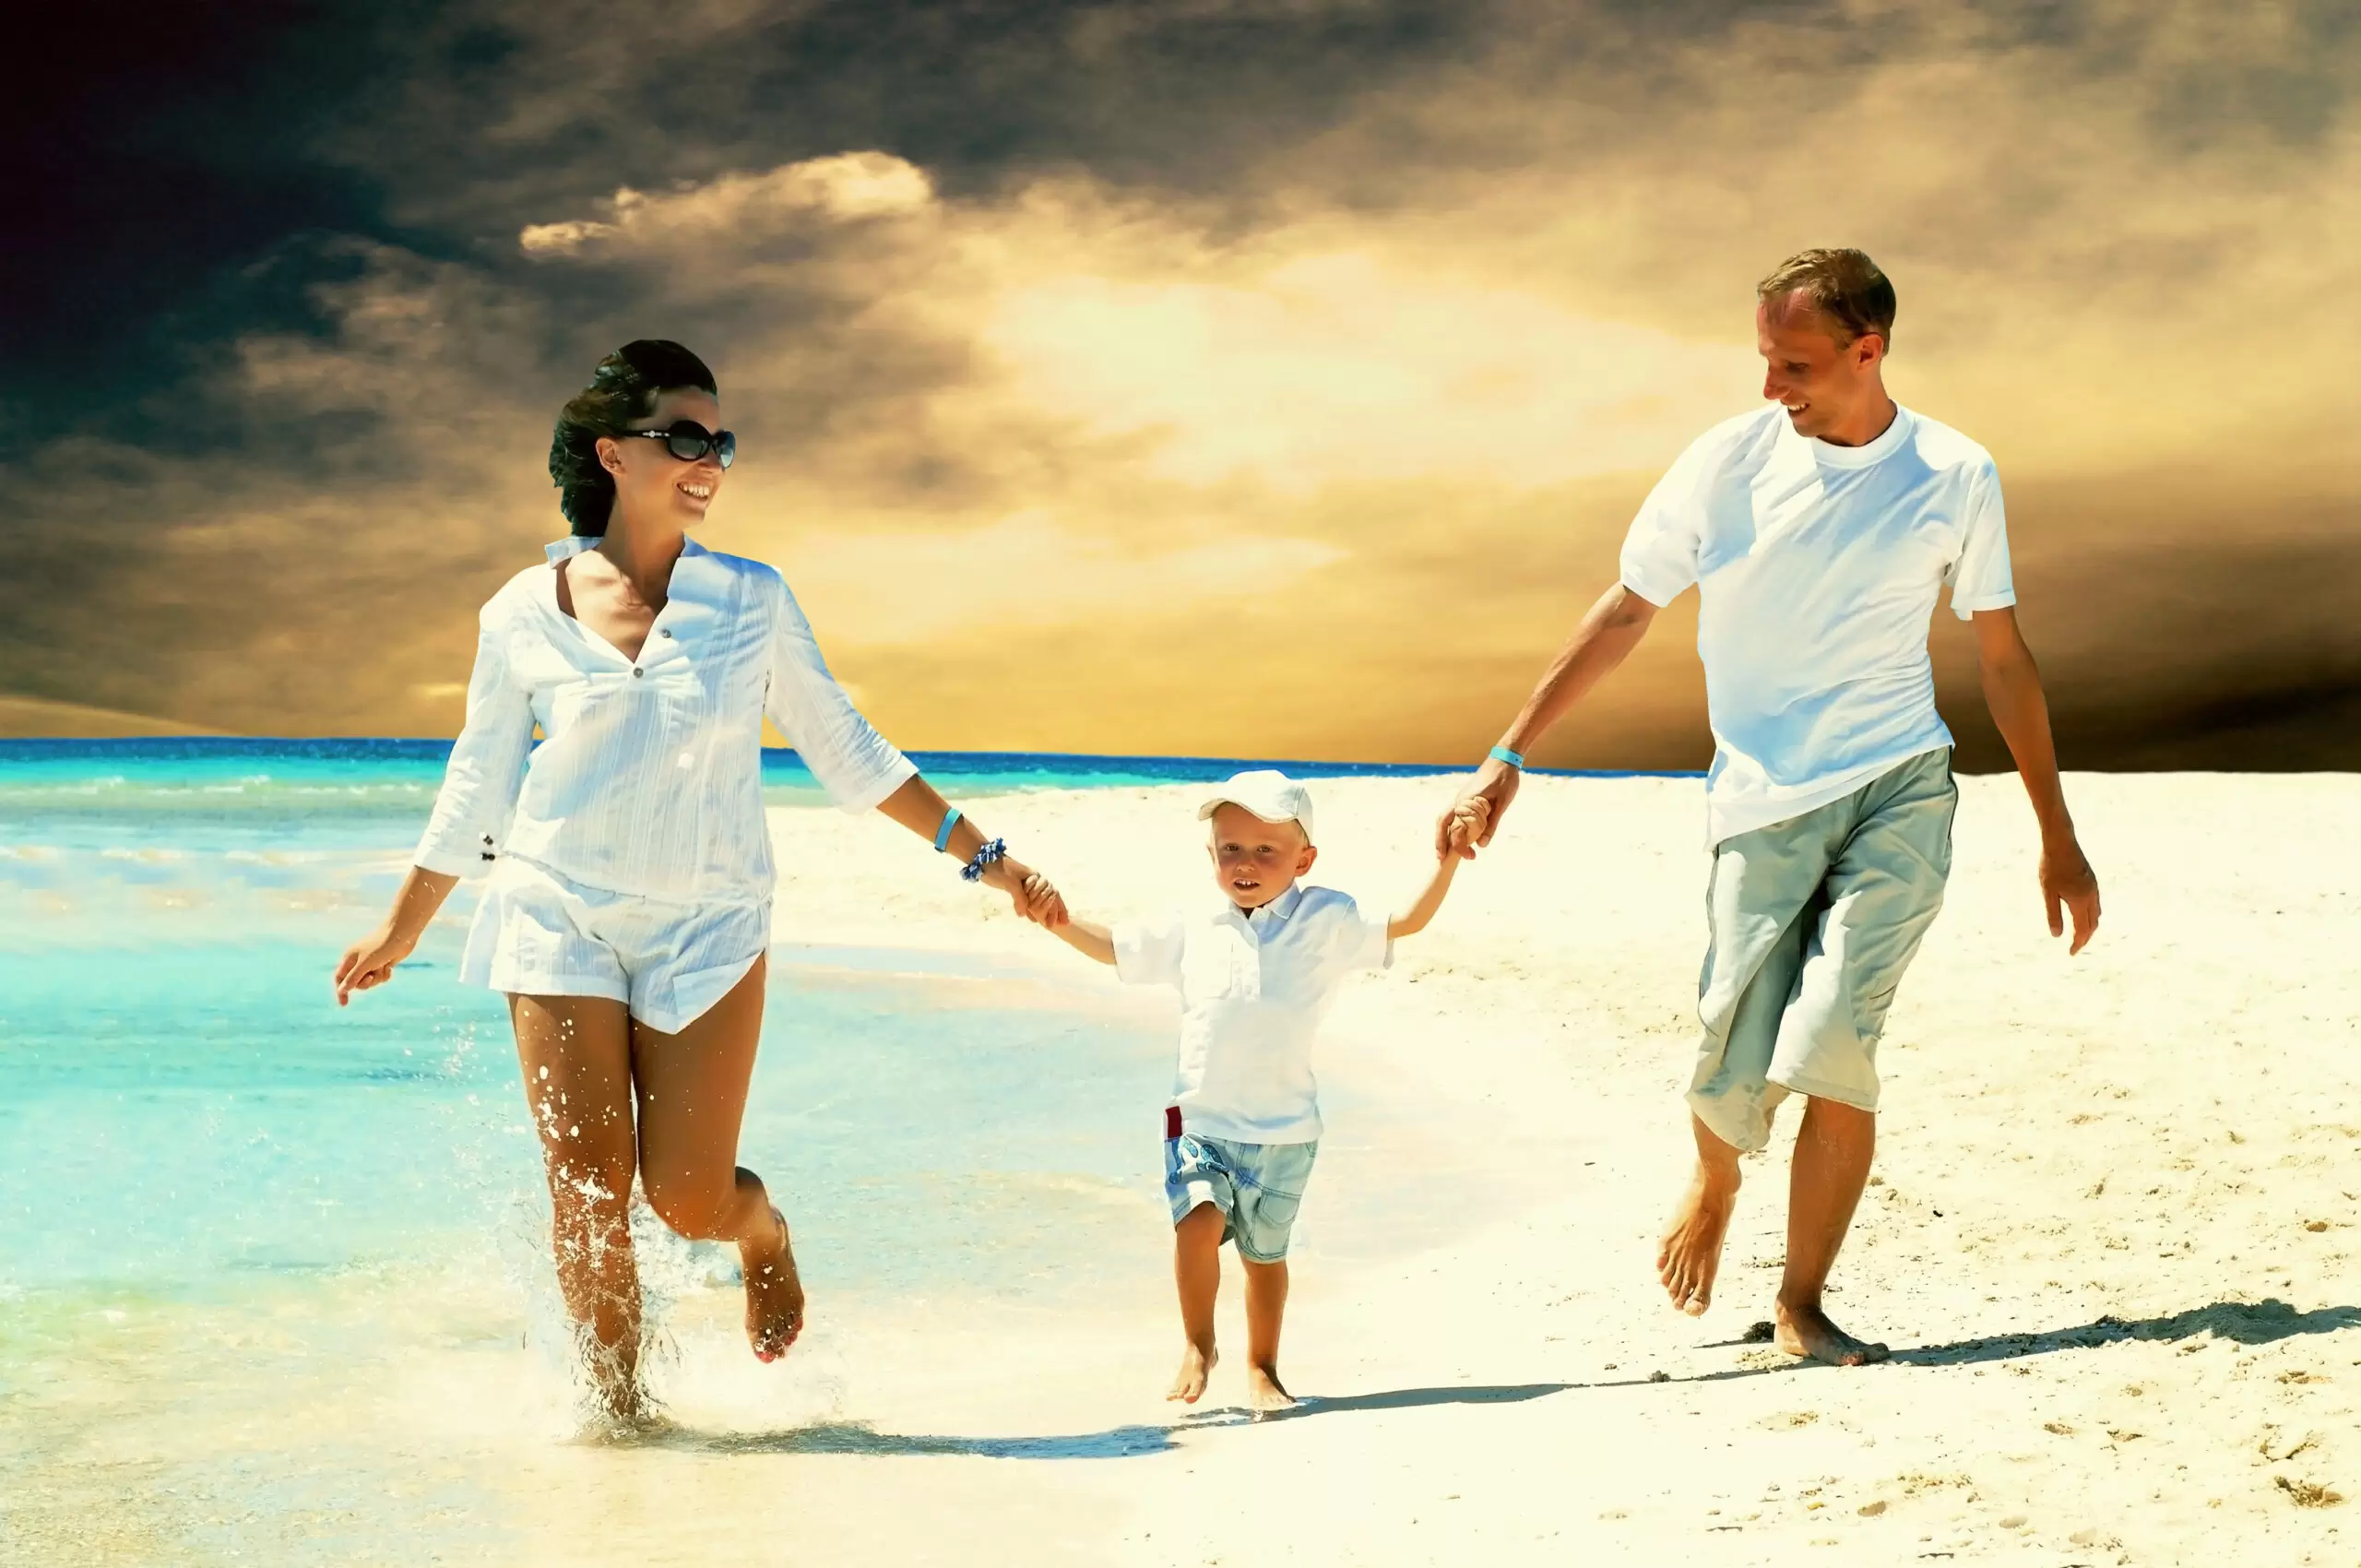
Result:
[{"x": 1257, "y": 972}]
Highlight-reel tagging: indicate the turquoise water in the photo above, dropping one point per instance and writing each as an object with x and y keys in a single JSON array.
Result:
[
  {"x": 274, "y": 1281},
  {"x": 185, "y": 1110}
]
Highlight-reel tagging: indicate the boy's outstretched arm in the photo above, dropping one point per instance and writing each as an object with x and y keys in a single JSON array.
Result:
[
  {"x": 1464, "y": 827},
  {"x": 1090, "y": 941}
]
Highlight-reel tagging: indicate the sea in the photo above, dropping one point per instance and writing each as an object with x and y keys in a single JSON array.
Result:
[{"x": 232, "y": 1213}]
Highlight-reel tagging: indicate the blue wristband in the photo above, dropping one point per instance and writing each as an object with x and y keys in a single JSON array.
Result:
[
  {"x": 942, "y": 834},
  {"x": 1502, "y": 754}
]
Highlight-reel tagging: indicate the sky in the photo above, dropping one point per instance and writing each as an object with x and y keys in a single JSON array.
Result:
[{"x": 1240, "y": 377}]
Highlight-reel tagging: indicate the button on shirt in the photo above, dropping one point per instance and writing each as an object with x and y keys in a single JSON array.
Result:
[
  {"x": 649, "y": 779},
  {"x": 1254, "y": 989},
  {"x": 1817, "y": 568}
]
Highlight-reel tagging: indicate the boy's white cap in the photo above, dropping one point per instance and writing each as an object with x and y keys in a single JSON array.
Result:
[{"x": 1269, "y": 794}]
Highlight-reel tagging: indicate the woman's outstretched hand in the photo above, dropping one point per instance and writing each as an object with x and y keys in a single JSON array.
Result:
[
  {"x": 1029, "y": 892},
  {"x": 369, "y": 963}
]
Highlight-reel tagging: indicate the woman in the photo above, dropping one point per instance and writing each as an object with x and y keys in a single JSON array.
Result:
[{"x": 628, "y": 909}]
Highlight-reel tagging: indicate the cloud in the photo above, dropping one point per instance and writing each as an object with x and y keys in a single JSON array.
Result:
[{"x": 1176, "y": 376}]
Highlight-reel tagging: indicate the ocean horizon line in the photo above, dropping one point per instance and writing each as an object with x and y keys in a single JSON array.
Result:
[{"x": 1177, "y": 768}]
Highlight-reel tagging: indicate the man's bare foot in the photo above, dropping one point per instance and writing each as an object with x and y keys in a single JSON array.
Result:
[
  {"x": 1690, "y": 1254},
  {"x": 1188, "y": 1383},
  {"x": 1806, "y": 1331},
  {"x": 1263, "y": 1394},
  {"x": 773, "y": 1294}
]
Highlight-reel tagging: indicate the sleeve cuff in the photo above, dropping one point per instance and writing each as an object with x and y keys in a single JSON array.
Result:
[
  {"x": 1134, "y": 965},
  {"x": 854, "y": 803},
  {"x": 1965, "y": 609},
  {"x": 452, "y": 860},
  {"x": 1656, "y": 593}
]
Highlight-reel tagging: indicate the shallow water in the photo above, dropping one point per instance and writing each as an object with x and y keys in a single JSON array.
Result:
[{"x": 273, "y": 1277}]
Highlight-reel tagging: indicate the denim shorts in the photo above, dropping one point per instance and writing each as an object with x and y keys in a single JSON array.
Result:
[{"x": 1258, "y": 1188}]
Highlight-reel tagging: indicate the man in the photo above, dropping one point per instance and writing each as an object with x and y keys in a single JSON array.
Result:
[{"x": 1819, "y": 533}]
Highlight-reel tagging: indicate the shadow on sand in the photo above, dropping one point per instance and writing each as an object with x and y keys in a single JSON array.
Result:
[
  {"x": 2243, "y": 1322},
  {"x": 1115, "y": 1443},
  {"x": 848, "y": 1437},
  {"x": 2247, "y": 1323}
]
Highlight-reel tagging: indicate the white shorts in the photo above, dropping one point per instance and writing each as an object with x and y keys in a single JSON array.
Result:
[{"x": 537, "y": 933}]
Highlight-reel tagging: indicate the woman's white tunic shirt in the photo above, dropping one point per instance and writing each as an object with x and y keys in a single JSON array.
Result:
[{"x": 648, "y": 778}]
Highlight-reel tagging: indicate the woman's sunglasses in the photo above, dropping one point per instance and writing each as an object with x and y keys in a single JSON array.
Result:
[{"x": 689, "y": 440}]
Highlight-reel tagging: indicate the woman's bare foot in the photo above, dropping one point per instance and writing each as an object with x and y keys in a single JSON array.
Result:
[
  {"x": 617, "y": 1401},
  {"x": 1197, "y": 1366},
  {"x": 1690, "y": 1254},
  {"x": 773, "y": 1294},
  {"x": 1806, "y": 1331},
  {"x": 1263, "y": 1394}
]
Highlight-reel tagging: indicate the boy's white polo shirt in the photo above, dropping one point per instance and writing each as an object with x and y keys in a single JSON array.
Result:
[{"x": 1254, "y": 989}]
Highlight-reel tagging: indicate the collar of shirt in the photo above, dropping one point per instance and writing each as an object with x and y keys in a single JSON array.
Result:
[
  {"x": 1264, "y": 916},
  {"x": 1892, "y": 439},
  {"x": 575, "y": 544}
]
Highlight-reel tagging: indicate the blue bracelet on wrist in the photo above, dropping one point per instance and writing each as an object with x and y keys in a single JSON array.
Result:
[
  {"x": 1502, "y": 754},
  {"x": 974, "y": 869},
  {"x": 942, "y": 834}
]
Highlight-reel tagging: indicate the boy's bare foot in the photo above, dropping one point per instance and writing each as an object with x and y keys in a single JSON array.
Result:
[
  {"x": 1197, "y": 1366},
  {"x": 1263, "y": 1395},
  {"x": 1690, "y": 1254},
  {"x": 1806, "y": 1331},
  {"x": 773, "y": 1294}
]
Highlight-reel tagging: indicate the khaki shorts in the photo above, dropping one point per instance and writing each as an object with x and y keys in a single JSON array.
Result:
[{"x": 1814, "y": 920}]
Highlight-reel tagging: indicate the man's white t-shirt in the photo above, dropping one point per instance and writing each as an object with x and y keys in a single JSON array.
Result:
[
  {"x": 1817, "y": 569},
  {"x": 1254, "y": 989}
]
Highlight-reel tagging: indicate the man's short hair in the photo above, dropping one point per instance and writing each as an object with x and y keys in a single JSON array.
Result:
[{"x": 1842, "y": 285}]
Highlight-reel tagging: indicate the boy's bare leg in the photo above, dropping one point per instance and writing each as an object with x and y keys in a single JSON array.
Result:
[
  {"x": 1833, "y": 1147},
  {"x": 575, "y": 1055},
  {"x": 1691, "y": 1254},
  {"x": 1266, "y": 1304},
  {"x": 692, "y": 1100},
  {"x": 1196, "y": 1270}
]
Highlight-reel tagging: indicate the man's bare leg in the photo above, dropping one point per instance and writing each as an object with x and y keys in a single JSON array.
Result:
[
  {"x": 1266, "y": 1305},
  {"x": 1833, "y": 1147},
  {"x": 1691, "y": 1254},
  {"x": 1196, "y": 1270}
]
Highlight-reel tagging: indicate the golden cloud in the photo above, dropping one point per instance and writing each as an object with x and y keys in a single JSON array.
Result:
[{"x": 1324, "y": 461}]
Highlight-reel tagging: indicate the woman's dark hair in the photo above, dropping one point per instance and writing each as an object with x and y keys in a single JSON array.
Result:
[{"x": 625, "y": 389}]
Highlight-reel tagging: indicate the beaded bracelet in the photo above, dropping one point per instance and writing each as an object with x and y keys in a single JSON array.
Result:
[{"x": 974, "y": 869}]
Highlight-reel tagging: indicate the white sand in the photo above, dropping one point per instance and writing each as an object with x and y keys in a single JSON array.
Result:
[{"x": 2109, "y": 1242}]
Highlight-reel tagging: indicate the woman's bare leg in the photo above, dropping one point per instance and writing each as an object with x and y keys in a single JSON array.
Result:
[
  {"x": 575, "y": 1053},
  {"x": 692, "y": 1100}
]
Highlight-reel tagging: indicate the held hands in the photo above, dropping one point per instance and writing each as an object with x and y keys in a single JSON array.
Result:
[
  {"x": 1463, "y": 828},
  {"x": 1029, "y": 892},
  {"x": 369, "y": 963},
  {"x": 1469, "y": 825},
  {"x": 2069, "y": 886}
]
